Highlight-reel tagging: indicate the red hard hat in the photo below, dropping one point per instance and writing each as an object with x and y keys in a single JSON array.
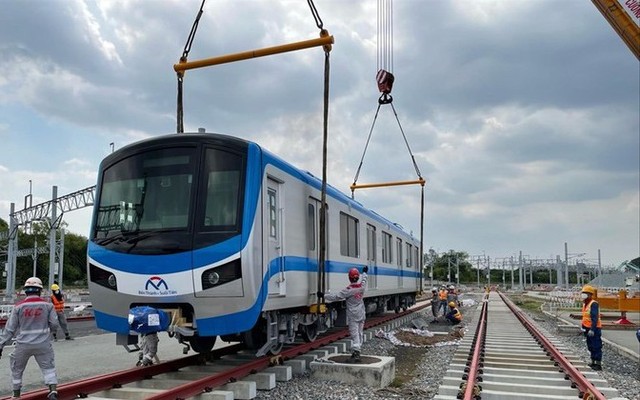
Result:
[{"x": 354, "y": 275}]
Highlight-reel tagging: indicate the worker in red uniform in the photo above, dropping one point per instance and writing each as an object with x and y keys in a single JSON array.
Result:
[
  {"x": 356, "y": 313},
  {"x": 57, "y": 299},
  {"x": 32, "y": 321},
  {"x": 592, "y": 326}
]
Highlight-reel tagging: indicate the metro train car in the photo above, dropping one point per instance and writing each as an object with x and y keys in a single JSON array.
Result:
[{"x": 224, "y": 237}]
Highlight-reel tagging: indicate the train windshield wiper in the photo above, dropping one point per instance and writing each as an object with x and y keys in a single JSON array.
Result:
[{"x": 122, "y": 236}]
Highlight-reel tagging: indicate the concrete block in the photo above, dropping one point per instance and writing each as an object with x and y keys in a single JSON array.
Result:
[
  {"x": 340, "y": 347},
  {"x": 297, "y": 366},
  {"x": 331, "y": 348},
  {"x": 263, "y": 380},
  {"x": 308, "y": 358},
  {"x": 376, "y": 374},
  {"x": 215, "y": 395},
  {"x": 130, "y": 393},
  {"x": 242, "y": 390},
  {"x": 319, "y": 353},
  {"x": 283, "y": 373}
]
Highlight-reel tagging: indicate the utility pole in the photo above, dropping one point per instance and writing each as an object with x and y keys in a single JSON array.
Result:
[
  {"x": 35, "y": 257},
  {"x": 566, "y": 266},
  {"x": 599, "y": 266},
  {"x": 520, "y": 271},
  {"x": 511, "y": 264}
]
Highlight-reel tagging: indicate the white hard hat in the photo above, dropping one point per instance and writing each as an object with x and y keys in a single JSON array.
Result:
[{"x": 33, "y": 282}]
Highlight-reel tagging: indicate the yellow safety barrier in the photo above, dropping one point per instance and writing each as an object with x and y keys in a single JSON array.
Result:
[{"x": 619, "y": 302}]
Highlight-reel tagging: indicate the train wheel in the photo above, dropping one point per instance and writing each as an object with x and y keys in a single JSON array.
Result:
[
  {"x": 202, "y": 344},
  {"x": 309, "y": 332},
  {"x": 275, "y": 350}
]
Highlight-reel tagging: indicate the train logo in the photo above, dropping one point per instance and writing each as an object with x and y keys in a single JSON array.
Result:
[{"x": 156, "y": 286}]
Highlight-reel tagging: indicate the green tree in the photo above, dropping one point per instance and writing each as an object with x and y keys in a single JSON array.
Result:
[
  {"x": 75, "y": 255},
  {"x": 445, "y": 264}
]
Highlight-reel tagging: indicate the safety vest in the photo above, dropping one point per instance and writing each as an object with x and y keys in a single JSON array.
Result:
[
  {"x": 442, "y": 294},
  {"x": 57, "y": 304},
  {"x": 586, "y": 315},
  {"x": 457, "y": 315}
]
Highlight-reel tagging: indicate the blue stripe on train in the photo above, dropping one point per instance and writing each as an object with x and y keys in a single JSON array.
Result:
[{"x": 244, "y": 320}]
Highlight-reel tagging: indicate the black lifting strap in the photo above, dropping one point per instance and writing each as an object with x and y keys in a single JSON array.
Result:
[
  {"x": 180, "y": 75},
  {"x": 323, "y": 195},
  {"x": 413, "y": 160}
]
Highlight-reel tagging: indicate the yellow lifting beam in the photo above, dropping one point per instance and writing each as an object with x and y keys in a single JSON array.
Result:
[
  {"x": 325, "y": 40},
  {"x": 625, "y": 26},
  {"x": 420, "y": 182}
]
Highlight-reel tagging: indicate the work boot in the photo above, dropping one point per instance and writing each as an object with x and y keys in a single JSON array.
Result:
[
  {"x": 596, "y": 366},
  {"x": 55, "y": 338},
  {"x": 16, "y": 394},
  {"x": 67, "y": 337},
  {"x": 53, "y": 395},
  {"x": 356, "y": 356}
]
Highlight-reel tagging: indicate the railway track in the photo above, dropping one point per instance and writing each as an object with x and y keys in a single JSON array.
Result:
[
  {"x": 508, "y": 357},
  {"x": 227, "y": 373}
]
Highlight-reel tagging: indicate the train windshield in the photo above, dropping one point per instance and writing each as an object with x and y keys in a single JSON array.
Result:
[
  {"x": 147, "y": 201},
  {"x": 147, "y": 191}
]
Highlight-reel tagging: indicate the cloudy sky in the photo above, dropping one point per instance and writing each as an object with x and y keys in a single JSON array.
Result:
[{"x": 523, "y": 116}]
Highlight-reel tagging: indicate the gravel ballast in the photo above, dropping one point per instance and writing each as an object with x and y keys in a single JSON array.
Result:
[{"x": 420, "y": 370}]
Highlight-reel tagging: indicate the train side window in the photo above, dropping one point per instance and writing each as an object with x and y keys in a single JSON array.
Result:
[
  {"x": 386, "y": 247},
  {"x": 399, "y": 249},
  {"x": 273, "y": 214},
  {"x": 311, "y": 226},
  {"x": 417, "y": 259},
  {"x": 349, "y": 233},
  {"x": 371, "y": 242},
  {"x": 409, "y": 255}
]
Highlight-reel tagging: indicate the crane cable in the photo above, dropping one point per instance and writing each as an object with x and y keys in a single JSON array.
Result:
[
  {"x": 180, "y": 74},
  {"x": 321, "y": 286},
  {"x": 385, "y": 79}
]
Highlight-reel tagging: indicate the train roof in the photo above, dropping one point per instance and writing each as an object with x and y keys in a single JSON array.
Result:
[{"x": 243, "y": 145}]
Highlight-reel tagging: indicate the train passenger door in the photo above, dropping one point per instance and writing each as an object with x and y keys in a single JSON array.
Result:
[
  {"x": 372, "y": 282},
  {"x": 400, "y": 261},
  {"x": 273, "y": 237}
]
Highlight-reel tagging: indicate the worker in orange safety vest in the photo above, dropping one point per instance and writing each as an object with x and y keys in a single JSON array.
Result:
[
  {"x": 592, "y": 326},
  {"x": 57, "y": 298}
]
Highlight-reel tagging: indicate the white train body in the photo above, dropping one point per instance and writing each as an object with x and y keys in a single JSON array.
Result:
[{"x": 228, "y": 234}]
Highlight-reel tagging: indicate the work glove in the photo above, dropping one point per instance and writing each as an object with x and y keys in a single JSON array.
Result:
[
  {"x": 365, "y": 269},
  {"x": 590, "y": 333}
]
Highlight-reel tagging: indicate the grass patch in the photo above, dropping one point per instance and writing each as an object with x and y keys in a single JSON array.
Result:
[
  {"x": 527, "y": 303},
  {"x": 397, "y": 382}
]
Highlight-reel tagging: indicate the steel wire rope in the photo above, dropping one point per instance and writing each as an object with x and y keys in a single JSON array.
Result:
[
  {"x": 385, "y": 63},
  {"x": 323, "y": 192},
  {"x": 180, "y": 74}
]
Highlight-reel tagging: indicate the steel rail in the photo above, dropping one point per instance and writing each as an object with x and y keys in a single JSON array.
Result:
[
  {"x": 3, "y": 322},
  {"x": 83, "y": 387},
  {"x": 586, "y": 388},
  {"x": 207, "y": 384},
  {"x": 475, "y": 363}
]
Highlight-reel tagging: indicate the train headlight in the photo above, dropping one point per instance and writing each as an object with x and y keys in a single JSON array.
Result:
[
  {"x": 221, "y": 274},
  {"x": 101, "y": 277},
  {"x": 213, "y": 278}
]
